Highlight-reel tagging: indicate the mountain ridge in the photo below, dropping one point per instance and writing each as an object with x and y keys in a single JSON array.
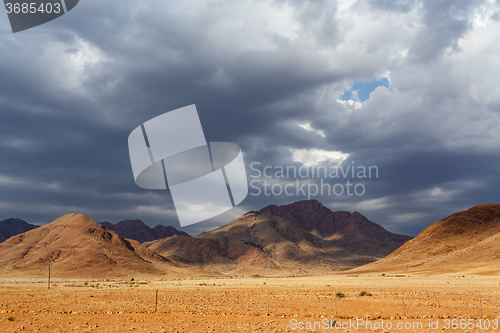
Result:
[
  {"x": 139, "y": 231},
  {"x": 14, "y": 226}
]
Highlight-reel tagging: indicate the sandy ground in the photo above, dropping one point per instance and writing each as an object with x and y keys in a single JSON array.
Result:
[{"x": 293, "y": 304}]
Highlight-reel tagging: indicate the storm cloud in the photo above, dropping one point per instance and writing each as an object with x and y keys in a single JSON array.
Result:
[{"x": 270, "y": 76}]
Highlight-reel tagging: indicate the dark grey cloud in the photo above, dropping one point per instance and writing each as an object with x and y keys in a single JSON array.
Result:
[{"x": 267, "y": 75}]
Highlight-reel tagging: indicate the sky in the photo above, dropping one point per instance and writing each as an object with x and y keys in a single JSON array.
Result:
[{"x": 411, "y": 87}]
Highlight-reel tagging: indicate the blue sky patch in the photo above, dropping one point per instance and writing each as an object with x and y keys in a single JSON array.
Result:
[{"x": 364, "y": 89}]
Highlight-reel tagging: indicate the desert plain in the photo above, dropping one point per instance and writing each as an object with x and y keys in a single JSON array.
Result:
[{"x": 254, "y": 304}]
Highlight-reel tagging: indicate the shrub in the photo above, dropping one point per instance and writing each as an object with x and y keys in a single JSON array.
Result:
[
  {"x": 364, "y": 293},
  {"x": 339, "y": 294},
  {"x": 10, "y": 318}
]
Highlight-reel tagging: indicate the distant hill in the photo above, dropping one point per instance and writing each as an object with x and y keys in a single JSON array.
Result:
[
  {"x": 137, "y": 230},
  {"x": 467, "y": 241},
  {"x": 13, "y": 227},
  {"x": 77, "y": 246},
  {"x": 302, "y": 237}
]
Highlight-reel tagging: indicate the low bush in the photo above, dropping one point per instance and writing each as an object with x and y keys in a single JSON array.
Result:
[{"x": 339, "y": 294}]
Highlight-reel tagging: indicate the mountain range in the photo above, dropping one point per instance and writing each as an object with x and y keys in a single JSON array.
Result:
[{"x": 302, "y": 238}]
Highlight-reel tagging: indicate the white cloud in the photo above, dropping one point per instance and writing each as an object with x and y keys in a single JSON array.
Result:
[
  {"x": 373, "y": 204},
  {"x": 408, "y": 217},
  {"x": 307, "y": 127},
  {"x": 313, "y": 157},
  {"x": 350, "y": 105}
]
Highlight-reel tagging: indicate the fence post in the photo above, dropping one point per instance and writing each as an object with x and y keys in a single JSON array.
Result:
[
  {"x": 268, "y": 298},
  {"x": 404, "y": 308},
  {"x": 481, "y": 303}
]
